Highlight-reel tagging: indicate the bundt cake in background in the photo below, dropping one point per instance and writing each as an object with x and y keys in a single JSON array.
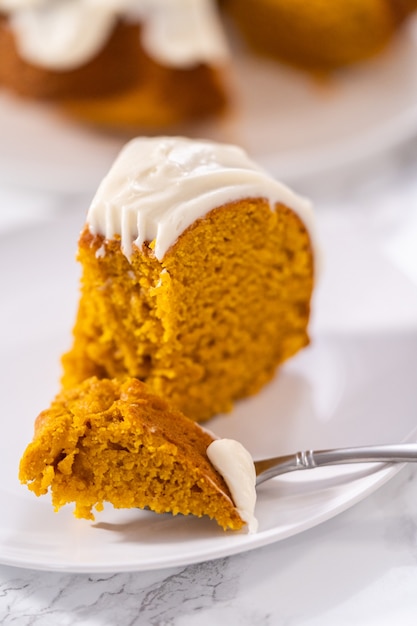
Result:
[
  {"x": 102, "y": 70},
  {"x": 106, "y": 441},
  {"x": 136, "y": 64},
  {"x": 319, "y": 35},
  {"x": 197, "y": 275},
  {"x": 119, "y": 64}
]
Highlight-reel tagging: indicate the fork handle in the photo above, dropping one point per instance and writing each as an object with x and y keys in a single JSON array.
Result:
[{"x": 309, "y": 459}]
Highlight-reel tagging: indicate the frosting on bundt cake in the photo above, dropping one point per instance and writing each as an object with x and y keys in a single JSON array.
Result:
[
  {"x": 106, "y": 441},
  {"x": 197, "y": 275},
  {"x": 157, "y": 188},
  {"x": 139, "y": 53},
  {"x": 66, "y": 34}
]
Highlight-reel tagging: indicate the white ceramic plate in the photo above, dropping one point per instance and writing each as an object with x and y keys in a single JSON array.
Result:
[
  {"x": 354, "y": 385},
  {"x": 288, "y": 122}
]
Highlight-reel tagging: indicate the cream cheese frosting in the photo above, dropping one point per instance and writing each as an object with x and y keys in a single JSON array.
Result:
[
  {"x": 64, "y": 34},
  {"x": 158, "y": 187},
  {"x": 235, "y": 464}
]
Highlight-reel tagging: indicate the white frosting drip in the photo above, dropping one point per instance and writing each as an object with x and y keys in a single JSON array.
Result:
[
  {"x": 64, "y": 34},
  {"x": 158, "y": 187},
  {"x": 183, "y": 32},
  {"x": 236, "y": 466}
]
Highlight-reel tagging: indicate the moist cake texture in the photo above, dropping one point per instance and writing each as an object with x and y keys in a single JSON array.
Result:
[
  {"x": 106, "y": 441},
  {"x": 197, "y": 275}
]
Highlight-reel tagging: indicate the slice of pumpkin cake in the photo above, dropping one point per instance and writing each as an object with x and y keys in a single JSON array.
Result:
[
  {"x": 198, "y": 270},
  {"x": 110, "y": 441}
]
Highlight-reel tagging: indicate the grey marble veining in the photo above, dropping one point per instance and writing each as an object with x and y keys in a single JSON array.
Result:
[{"x": 126, "y": 598}]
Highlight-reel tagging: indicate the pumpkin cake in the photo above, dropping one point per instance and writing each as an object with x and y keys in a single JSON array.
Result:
[
  {"x": 319, "y": 35},
  {"x": 197, "y": 275},
  {"x": 125, "y": 63},
  {"x": 133, "y": 64},
  {"x": 107, "y": 441}
]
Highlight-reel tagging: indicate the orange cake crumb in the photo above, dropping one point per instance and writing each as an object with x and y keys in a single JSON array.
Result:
[
  {"x": 207, "y": 324},
  {"x": 106, "y": 441}
]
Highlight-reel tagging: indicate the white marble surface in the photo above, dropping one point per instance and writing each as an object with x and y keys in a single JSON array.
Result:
[{"x": 358, "y": 568}]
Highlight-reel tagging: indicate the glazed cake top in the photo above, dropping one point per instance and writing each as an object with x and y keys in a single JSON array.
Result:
[
  {"x": 65, "y": 34},
  {"x": 158, "y": 187}
]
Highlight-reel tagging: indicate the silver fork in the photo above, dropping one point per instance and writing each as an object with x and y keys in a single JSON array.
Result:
[{"x": 309, "y": 459}]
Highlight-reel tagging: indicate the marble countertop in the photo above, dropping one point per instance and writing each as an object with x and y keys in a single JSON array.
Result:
[{"x": 358, "y": 568}]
